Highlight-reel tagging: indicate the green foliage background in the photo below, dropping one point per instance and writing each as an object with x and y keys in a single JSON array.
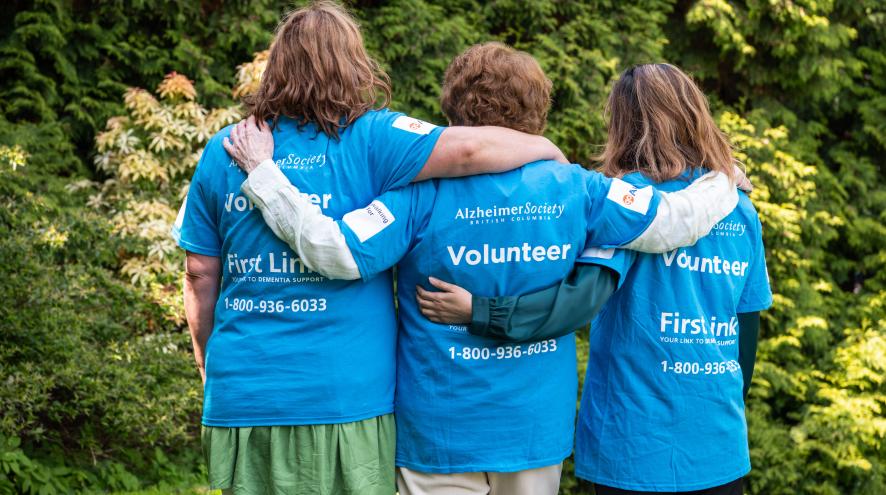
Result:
[{"x": 97, "y": 389}]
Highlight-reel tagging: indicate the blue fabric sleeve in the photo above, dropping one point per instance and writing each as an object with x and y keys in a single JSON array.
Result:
[
  {"x": 399, "y": 147},
  {"x": 618, "y": 211},
  {"x": 617, "y": 260},
  {"x": 757, "y": 294},
  {"x": 196, "y": 228},
  {"x": 384, "y": 231}
]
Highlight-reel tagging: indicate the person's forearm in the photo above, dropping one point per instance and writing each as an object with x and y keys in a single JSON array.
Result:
[
  {"x": 315, "y": 237},
  {"x": 748, "y": 333},
  {"x": 463, "y": 151},
  {"x": 685, "y": 216},
  {"x": 200, "y": 294},
  {"x": 548, "y": 313}
]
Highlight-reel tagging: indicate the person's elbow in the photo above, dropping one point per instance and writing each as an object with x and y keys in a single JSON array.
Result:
[
  {"x": 201, "y": 269},
  {"x": 455, "y": 155},
  {"x": 469, "y": 151},
  {"x": 198, "y": 278}
]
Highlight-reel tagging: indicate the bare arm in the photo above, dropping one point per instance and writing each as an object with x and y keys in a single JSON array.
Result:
[
  {"x": 202, "y": 275},
  {"x": 463, "y": 151}
]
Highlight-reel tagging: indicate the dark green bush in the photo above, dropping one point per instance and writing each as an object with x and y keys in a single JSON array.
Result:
[{"x": 93, "y": 378}]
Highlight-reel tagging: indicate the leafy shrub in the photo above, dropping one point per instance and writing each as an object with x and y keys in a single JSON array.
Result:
[
  {"x": 92, "y": 378},
  {"x": 148, "y": 154}
]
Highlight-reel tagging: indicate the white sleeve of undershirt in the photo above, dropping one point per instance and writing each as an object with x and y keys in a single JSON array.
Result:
[
  {"x": 315, "y": 237},
  {"x": 685, "y": 216}
]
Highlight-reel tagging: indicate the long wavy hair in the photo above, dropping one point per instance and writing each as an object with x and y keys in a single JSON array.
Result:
[
  {"x": 660, "y": 124},
  {"x": 319, "y": 71}
]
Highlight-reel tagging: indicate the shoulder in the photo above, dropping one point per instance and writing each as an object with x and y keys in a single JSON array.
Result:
[
  {"x": 214, "y": 153},
  {"x": 564, "y": 171},
  {"x": 540, "y": 174},
  {"x": 638, "y": 179},
  {"x": 749, "y": 213},
  {"x": 384, "y": 119},
  {"x": 215, "y": 162},
  {"x": 374, "y": 118},
  {"x": 745, "y": 205}
]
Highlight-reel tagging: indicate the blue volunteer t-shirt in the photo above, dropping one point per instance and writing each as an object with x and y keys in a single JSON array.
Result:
[
  {"x": 465, "y": 403},
  {"x": 288, "y": 346},
  {"x": 662, "y": 406}
]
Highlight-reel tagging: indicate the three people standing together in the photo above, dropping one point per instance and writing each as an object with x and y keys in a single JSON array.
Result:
[{"x": 304, "y": 366}]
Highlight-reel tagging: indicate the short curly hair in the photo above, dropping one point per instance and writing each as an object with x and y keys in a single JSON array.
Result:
[{"x": 494, "y": 84}]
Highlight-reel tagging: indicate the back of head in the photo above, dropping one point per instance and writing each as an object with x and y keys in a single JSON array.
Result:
[
  {"x": 660, "y": 125},
  {"x": 319, "y": 71},
  {"x": 494, "y": 84}
]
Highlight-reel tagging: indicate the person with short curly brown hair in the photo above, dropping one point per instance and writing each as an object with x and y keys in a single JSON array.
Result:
[{"x": 494, "y": 84}]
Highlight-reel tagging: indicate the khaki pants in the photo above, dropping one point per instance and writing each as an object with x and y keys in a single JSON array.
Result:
[{"x": 539, "y": 481}]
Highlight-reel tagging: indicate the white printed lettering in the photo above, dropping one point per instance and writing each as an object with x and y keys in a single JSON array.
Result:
[
  {"x": 512, "y": 254},
  {"x": 715, "y": 264},
  {"x": 369, "y": 221}
]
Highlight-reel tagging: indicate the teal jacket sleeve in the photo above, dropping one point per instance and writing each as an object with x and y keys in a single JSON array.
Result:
[
  {"x": 548, "y": 313},
  {"x": 748, "y": 330}
]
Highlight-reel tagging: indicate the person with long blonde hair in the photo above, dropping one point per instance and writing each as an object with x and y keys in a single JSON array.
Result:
[{"x": 672, "y": 350}]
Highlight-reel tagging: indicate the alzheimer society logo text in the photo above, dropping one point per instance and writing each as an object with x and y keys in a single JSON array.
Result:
[{"x": 527, "y": 212}]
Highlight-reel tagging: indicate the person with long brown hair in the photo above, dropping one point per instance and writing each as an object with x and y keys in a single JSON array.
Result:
[
  {"x": 672, "y": 350},
  {"x": 299, "y": 370},
  {"x": 475, "y": 417}
]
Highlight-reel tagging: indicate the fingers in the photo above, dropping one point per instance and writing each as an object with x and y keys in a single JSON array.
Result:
[
  {"x": 425, "y": 296},
  {"x": 226, "y": 144},
  {"x": 428, "y": 302},
  {"x": 432, "y": 315},
  {"x": 427, "y": 308},
  {"x": 424, "y": 304},
  {"x": 235, "y": 135},
  {"x": 444, "y": 286},
  {"x": 435, "y": 306},
  {"x": 742, "y": 180}
]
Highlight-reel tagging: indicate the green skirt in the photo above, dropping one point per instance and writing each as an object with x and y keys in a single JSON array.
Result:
[{"x": 350, "y": 458}]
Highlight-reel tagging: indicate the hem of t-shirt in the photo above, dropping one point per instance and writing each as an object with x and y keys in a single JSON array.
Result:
[
  {"x": 362, "y": 266},
  {"x": 683, "y": 487},
  {"x": 434, "y": 136},
  {"x": 295, "y": 420},
  {"x": 194, "y": 248},
  {"x": 483, "y": 468},
  {"x": 753, "y": 308}
]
